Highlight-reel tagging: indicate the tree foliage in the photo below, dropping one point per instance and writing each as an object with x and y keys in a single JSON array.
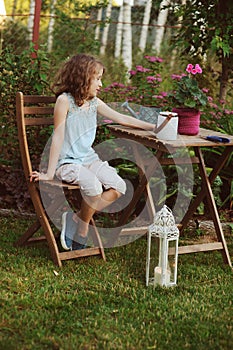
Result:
[{"x": 207, "y": 27}]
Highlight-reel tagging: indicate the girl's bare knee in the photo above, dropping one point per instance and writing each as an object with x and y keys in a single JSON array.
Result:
[
  {"x": 92, "y": 201},
  {"x": 118, "y": 194}
]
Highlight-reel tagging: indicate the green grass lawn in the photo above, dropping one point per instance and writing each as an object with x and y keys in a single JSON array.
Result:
[{"x": 92, "y": 304}]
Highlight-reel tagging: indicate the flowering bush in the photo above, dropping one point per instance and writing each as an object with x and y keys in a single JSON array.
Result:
[
  {"x": 147, "y": 80},
  {"x": 144, "y": 85},
  {"x": 186, "y": 92},
  {"x": 17, "y": 73},
  {"x": 218, "y": 116}
]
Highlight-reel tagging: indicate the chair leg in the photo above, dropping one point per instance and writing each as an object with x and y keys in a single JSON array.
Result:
[
  {"x": 97, "y": 240},
  {"x": 44, "y": 223},
  {"x": 28, "y": 234}
]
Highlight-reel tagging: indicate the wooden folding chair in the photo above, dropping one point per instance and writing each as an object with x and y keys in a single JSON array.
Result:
[{"x": 34, "y": 113}]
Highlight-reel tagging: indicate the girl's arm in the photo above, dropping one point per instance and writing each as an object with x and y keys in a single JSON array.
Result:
[
  {"x": 122, "y": 119},
  {"x": 60, "y": 112}
]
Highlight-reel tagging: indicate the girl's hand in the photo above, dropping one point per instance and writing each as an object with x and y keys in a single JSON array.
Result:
[{"x": 36, "y": 176}]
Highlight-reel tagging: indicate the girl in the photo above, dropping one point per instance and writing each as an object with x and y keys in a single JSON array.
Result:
[{"x": 72, "y": 158}]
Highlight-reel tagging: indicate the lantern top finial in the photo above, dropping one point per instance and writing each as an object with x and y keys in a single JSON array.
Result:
[{"x": 164, "y": 224}]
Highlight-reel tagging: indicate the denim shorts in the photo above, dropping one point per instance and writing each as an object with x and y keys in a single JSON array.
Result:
[{"x": 92, "y": 178}]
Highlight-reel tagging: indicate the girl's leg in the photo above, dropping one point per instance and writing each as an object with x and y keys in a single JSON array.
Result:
[
  {"x": 94, "y": 199},
  {"x": 91, "y": 180},
  {"x": 92, "y": 204}
]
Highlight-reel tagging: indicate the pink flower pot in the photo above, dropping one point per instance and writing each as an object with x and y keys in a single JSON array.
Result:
[{"x": 188, "y": 120}]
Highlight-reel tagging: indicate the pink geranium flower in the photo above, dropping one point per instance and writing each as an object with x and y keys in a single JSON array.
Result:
[
  {"x": 198, "y": 68},
  {"x": 186, "y": 91},
  {"x": 189, "y": 68},
  {"x": 193, "y": 70}
]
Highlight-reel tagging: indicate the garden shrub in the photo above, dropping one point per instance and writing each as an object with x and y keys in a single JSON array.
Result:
[
  {"x": 18, "y": 72},
  {"x": 21, "y": 72}
]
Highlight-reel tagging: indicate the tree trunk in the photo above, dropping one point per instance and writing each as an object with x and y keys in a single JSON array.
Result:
[
  {"x": 97, "y": 29},
  {"x": 161, "y": 21},
  {"x": 174, "y": 51},
  {"x": 31, "y": 19},
  {"x": 2, "y": 11},
  {"x": 106, "y": 28},
  {"x": 2, "y": 19},
  {"x": 127, "y": 35},
  {"x": 226, "y": 68},
  {"x": 14, "y": 6},
  {"x": 227, "y": 60},
  {"x": 119, "y": 33},
  {"x": 144, "y": 31},
  {"x": 51, "y": 26}
]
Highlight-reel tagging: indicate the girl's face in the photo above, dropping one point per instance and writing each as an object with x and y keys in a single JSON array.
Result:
[{"x": 96, "y": 83}]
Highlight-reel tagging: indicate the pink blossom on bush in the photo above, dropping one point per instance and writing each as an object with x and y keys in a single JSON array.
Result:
[
  {"x": 176, "y": 76},
  {"x": 142, "y": 69},
  {"x": 205, "y": 90},
  {"x": 154, "y": 59},
  {"x": 214, "y": 105},
  {"x": 227, "y": 111},
  {"x": 115, "y": 84},
  {"x": 150, "y": 78},
  {"x": 132, "y": 72},
  {"x": 158, "y": 96}
]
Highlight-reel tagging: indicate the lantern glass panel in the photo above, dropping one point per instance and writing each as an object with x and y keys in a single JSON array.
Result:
[
  {"x": 172, "y": 259},
  {"x": 154, "y": 257}
]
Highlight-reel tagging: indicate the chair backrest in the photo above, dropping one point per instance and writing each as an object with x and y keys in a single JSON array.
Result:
[{"x": 31, "y": 111}]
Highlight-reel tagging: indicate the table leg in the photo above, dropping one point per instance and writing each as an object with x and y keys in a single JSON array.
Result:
[
  {"x": 219, "y": 165},
  {"x": 206, "y": 191},
  {"x": 138, "y": 192},
  {"x": 149, "y": 203}
]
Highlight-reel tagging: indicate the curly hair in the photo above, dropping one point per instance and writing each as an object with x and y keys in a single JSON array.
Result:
[{"x": 75, "y": 77}]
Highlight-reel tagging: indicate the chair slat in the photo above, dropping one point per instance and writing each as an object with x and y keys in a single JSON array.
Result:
[
  {"x": 38, "y": 121},
  {"x": 39, "y": 99},
  {"x": 38, "y": 110}
]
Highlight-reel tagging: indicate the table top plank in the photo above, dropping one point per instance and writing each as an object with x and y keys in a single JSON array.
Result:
[{"x": 149, "y": 139}]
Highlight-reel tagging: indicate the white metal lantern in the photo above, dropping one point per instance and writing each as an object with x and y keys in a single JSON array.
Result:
[{"x": 166, "y": 234}]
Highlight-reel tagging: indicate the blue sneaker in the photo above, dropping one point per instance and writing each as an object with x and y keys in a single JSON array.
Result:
[
  {"x": 69, "y": 229},
  {"x": 79, "y": 243}
]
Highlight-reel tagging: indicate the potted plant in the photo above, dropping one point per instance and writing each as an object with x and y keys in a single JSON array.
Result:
[{"x": 188, "y": 99}]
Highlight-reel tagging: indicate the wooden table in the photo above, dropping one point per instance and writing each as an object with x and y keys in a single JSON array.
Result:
[{"x": 162, "y": 148}]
